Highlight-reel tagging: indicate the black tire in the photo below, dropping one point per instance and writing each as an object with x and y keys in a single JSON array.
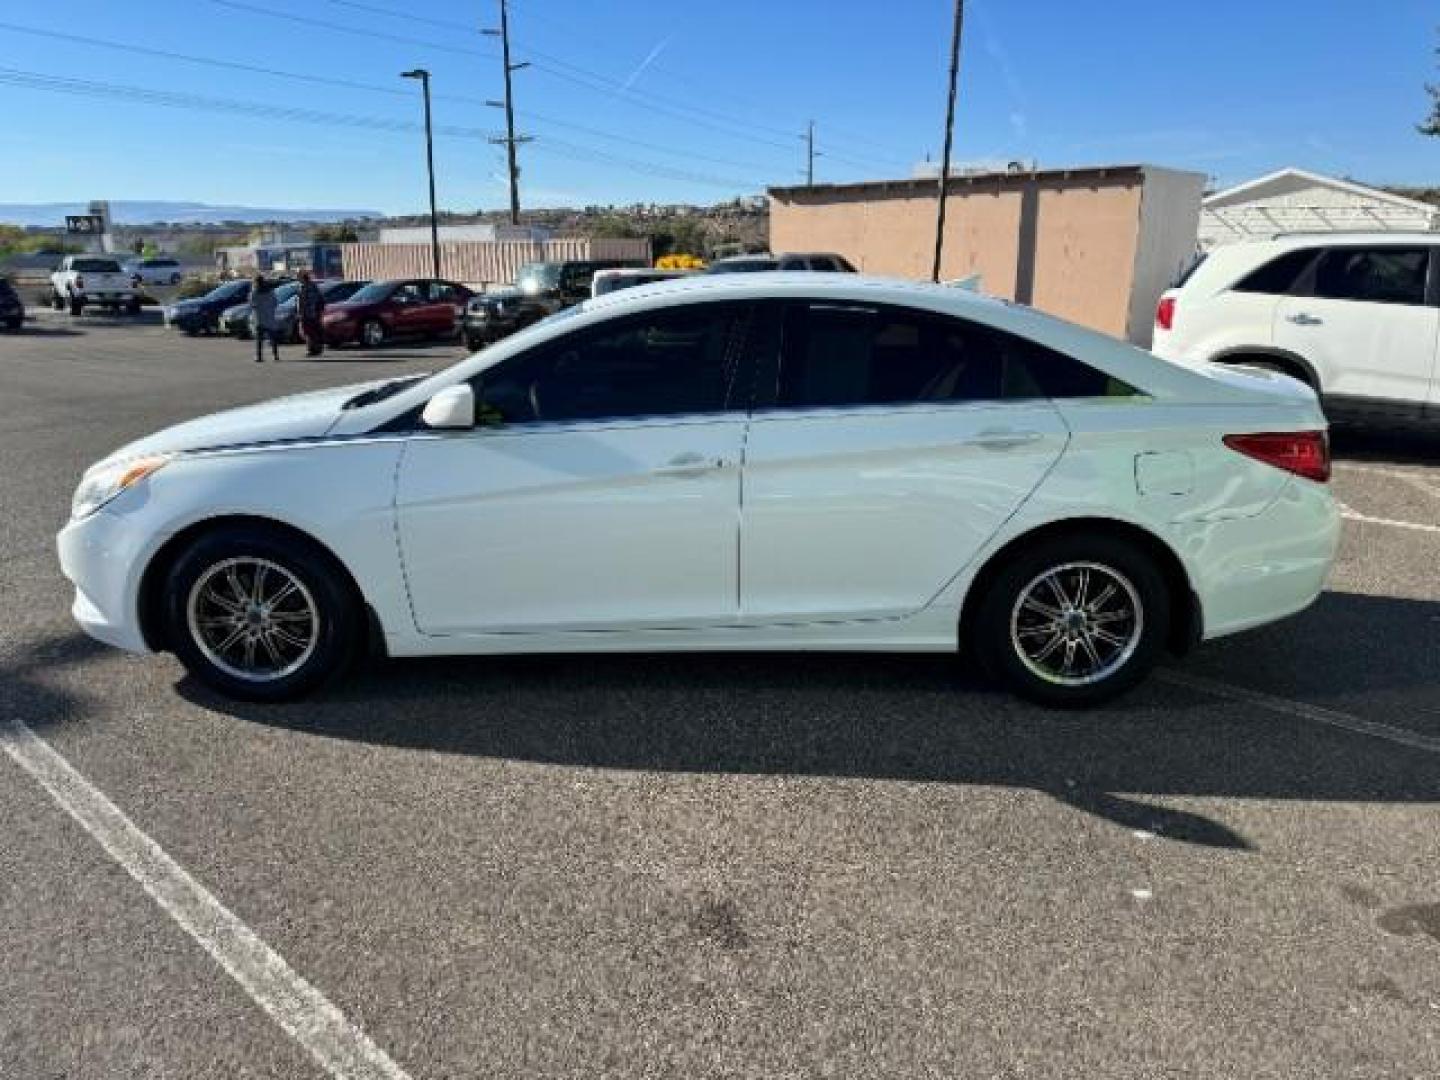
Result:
[
  {"x": 57, "y": 302},
  {"x": 338, "y": 614},
  {"x": 14, "y": 322},
  {"x": 133, "y": 307},
  {"x": 372, "y": 334},
  {"x": 996, "y": 644}
]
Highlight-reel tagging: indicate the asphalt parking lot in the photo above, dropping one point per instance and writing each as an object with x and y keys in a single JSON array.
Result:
[{"x": 705, "y": 866}]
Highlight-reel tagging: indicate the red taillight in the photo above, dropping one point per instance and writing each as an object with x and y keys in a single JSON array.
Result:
[
  {"x": 1304, "y": 453},
  {"x": 1165, "y": 313}
]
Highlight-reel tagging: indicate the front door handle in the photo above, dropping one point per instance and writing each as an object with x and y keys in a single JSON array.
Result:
[
  {"x": 1302, "y": 318},
  {"x": 690, "y": 463},
  {"x": 1004, "y": 438}
]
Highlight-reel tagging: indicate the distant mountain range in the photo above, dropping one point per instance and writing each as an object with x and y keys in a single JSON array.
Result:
[{"x": 142, "y": 212}]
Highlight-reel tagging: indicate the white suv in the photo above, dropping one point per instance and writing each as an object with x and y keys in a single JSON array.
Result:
[{"x": 1354, "y": 315}]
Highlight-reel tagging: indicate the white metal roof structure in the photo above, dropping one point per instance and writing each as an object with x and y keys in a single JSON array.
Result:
[{"x": 1296, "y": 200}]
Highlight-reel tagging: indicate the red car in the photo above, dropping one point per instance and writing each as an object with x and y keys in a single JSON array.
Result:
[{"x": 382, "y": 310}]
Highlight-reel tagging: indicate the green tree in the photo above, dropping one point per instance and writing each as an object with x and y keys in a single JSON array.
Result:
[{"x": 335, "y": 234}]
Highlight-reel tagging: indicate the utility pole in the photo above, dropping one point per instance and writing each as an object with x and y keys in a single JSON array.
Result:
[
  {"x": 510, "y": 140},
  {"x": 949, "y": 138},
  {"x": 810, "y": 154},
  {"x": 424, "y": 77}
]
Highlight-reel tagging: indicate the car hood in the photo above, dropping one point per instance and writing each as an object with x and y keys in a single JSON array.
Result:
[{"x": 300, "y": 416}]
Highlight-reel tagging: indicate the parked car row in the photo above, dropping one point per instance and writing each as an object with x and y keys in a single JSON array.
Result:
[{"x": 543, "y": 288}]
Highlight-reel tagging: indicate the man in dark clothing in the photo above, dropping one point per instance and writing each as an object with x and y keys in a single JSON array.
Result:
[
  {"x": 262, "y": 318},
  {"x": 310, "y": 307}
]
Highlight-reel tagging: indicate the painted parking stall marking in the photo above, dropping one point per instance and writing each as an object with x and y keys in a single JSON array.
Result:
[
  {"x": 1304, "y": 711},
  {"x": 303, "y": 1011}
]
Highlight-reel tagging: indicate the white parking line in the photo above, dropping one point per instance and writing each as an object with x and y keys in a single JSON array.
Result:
[
  {"x": 305, "y": 1013},
  {"x": 1354, "y": 515},
  {"x": 1304, "y": 711}
]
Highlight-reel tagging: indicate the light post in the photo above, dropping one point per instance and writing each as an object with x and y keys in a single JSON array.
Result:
[{"x": 424, "y": 77}]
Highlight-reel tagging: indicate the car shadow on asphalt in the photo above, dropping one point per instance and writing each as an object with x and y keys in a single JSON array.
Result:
[
  {"x": 913, "y": 718},
  {"x": 31, "y": 329}
]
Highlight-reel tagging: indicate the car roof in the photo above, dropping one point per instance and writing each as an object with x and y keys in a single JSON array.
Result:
[
  {"x": 637, "y": 271},
  {"x": 1226, "y": 264}
]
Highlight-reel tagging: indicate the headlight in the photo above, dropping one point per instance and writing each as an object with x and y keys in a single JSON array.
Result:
[{"x": 101, "y": 485}]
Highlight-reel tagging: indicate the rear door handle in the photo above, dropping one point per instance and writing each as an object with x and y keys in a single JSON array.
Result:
[
  {"x": 1302, "y": 318},
  {"x": 1004, "y": 438},
  {"x": 690, "y": 463}
]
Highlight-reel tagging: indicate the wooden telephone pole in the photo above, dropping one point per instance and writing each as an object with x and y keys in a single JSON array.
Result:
[{"x": 949, "y": 139}]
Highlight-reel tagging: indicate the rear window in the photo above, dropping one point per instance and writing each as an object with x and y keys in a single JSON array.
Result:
[
  {"x": 838, "y": 355},
  {"x": 1279, "y": 276},
  {"x": 96, "y": 266}
]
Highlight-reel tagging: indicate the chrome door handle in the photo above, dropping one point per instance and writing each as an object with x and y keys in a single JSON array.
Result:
[
  {"x": 1004, "y": 438},
  {"x": 690, "y": 463},
  {"x": 1301, "y": 318}
]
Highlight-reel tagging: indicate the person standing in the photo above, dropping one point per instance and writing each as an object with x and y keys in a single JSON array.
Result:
[
  {"x": 310, "y": 310},
  {"x": 262, "y": 318}
]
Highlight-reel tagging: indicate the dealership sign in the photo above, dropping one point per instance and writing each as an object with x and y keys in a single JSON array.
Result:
[{"x": 85, "y": 224}]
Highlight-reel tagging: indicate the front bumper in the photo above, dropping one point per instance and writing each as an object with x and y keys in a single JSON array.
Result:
[{"x": 102, "y": 556}]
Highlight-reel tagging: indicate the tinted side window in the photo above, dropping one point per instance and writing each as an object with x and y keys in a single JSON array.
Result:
[
  {"x": 1277, "y": 277},
  {"x": 1377, "y": 275},
  {"x": 664, "y": 363},
  {"x": 837, "y": 355}
]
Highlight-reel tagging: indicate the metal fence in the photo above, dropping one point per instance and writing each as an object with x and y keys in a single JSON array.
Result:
[{"x": 479, "y": 263}]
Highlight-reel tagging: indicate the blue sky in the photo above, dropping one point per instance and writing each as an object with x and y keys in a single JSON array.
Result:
[{"x": 639, "y": 100}]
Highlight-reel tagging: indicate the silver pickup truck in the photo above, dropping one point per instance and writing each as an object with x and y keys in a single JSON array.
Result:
[{"x": 92, "y": 280}]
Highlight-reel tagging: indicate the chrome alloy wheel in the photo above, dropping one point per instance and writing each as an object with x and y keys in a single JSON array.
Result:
[
  {"x": 1077, "y": 624},
  {"x": 253, "y": 619}
]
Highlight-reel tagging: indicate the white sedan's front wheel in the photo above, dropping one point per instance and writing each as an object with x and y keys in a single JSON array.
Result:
[
  {"x": 1073, "y": 620},
  {"x": 259, "y": 616}
]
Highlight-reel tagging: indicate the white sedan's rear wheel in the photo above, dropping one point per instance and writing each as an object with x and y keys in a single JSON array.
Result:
[{"x": 1073, "y": 620}]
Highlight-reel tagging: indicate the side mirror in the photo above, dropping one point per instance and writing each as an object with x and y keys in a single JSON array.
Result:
[{"x": 453, "y": 407}]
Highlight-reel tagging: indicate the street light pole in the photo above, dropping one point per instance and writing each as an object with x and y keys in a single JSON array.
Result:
[
  {"x": 949, "y": 138},
  {"x": 424, "y": 77}
]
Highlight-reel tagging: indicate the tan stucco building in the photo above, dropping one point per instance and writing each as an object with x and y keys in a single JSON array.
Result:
[{"x": 1094, "y": 245}]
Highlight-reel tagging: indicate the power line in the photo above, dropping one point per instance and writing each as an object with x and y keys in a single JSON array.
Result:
[
  {"x": 206, "y": 103},
  {"x": 372, "y": 88},
  {"x": 557, "y": 67},
  {"x": 723, "y": 91},
  {"x": 304, "y": 20}
]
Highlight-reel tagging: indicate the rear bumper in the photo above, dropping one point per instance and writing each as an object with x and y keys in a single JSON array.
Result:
[{"x": 1256, "y": 570}]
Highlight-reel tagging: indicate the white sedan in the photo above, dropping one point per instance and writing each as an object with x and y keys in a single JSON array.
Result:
[{"x": 750, "y": 462}]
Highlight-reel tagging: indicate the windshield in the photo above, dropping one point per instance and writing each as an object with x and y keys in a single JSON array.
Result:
[
  {"x": 536, "y": 277},
  {"x": 742, "y": 266},
  {"x": 373, "y": 293},
  {"x": 341, "y": 290},
  {"x": 228, "y": 291},
  {"x": 96, "y": 266}
]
